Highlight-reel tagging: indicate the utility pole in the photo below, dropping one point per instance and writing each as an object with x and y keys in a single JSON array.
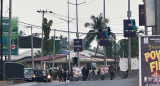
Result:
[
  {"x": 77, "y": 34},
  {"x": 53, "y": 49},
  {"x": 9, "y": 32},
  {"x": 32, "y": 49},
  {"x": 77, "y": 31},
  {"x": 1, "y": 32},
  {"x": 104, "y": 29},
  {"x": 68, "y": 40},
  {"x": 129, "y": 39},
  {"x": 32, "y": 46},
  {"x": 43, "y": 12}
]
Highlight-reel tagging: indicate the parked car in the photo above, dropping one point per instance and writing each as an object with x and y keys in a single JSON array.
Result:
[
  {"x": 42, "y": 75},
  {"x": 29, "y": 74}
]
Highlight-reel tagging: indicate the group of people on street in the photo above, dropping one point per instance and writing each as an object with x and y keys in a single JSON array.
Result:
[{"x": 62, "y": 75}]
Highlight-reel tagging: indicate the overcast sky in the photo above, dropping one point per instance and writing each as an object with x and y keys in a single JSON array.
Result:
[{"x": 116, "y": 11}]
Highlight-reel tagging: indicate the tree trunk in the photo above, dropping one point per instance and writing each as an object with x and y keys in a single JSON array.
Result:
[{"x": 96, "y": 50}]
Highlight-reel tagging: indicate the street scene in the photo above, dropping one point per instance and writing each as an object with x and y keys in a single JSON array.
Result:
[{"x": 79, "y": 43}]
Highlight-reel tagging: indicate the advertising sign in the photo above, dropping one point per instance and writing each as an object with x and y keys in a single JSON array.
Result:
[
  {"x": 129, "y": 28},
  {"x": 77, "y": 45},
  {"x": 77, "y": 71},
  {"x": 150, "y": 12},
  {"x": 149, "y": 60},
  {"x": 104, "y": 69},
  {"x": 14, "y": 36}
]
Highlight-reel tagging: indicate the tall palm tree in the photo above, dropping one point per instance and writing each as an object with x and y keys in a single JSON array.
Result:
[
  {"x": 47, "y": 27},
  {"x": 96, "y": 26}
]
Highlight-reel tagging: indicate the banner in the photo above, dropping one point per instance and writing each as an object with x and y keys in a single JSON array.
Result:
[
  {"x": 77, "y": 71},
  {"x": 149, "y": 56}
]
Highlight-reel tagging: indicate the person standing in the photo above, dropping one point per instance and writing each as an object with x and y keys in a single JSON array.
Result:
[
  {"x": 59, "y": 72},
  {"x": 84, "y": 74},
  {"x": 64, "y": 76},
  {"x": 111, "y": 70}
]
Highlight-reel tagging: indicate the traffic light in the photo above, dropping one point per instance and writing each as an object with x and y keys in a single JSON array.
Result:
[
  {"x": 109, "y": 30},
  {"x": 75, "y": 60}
]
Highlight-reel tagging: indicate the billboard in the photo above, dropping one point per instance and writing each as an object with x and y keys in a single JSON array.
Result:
[
  {"x": 149, "y": 60},
  {"x": 14, "y": 35},
  {"x": 150, "y": 12}
]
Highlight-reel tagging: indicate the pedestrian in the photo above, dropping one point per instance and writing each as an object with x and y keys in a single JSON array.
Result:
[
  {"x": 84, "y": 74},
  {"x": 98, "y": 72},
  {"x": 64, "y": 76},
  {"x": 59, "y": 72},
  {"x": 111, "y": 70},
  {"x": 93, "y": 72}
]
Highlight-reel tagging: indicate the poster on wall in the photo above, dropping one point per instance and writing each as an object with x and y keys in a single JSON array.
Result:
[
  {"x": 149, "y": 60},
  {"x": 77, "y": 71}
]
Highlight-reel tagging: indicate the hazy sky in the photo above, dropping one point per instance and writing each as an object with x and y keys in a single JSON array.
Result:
[{"x": 116, "y": 11}]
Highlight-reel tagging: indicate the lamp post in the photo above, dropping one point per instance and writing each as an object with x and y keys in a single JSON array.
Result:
[{"x": 43, "y": 12}]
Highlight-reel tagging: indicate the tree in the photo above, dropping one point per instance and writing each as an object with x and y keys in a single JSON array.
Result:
[
  {"x": 48, "y": 43},
  {"x": 97, "y": 26},
  {"x": 134, "y": 45}
]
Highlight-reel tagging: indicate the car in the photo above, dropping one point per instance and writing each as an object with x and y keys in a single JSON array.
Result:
[
  {"x": 29, "y": 74},
  {"x": 42, "y": 75}
]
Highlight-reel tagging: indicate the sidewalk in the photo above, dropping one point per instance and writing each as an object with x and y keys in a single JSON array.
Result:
[{"x": 2, "y": 83}]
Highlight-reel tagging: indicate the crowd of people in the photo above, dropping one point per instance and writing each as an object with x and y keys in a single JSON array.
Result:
[{"x": 64, "y": 75}]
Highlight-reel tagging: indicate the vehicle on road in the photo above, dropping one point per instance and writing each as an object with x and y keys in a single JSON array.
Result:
[
  {"x": 29, "y": 74},
  {"x": 42, "y": 75}
]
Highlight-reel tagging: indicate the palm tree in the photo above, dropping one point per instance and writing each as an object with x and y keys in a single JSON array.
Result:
[
  {"x": 47, "y": 27},
  {"x": 96, "y": 26},
  {"x": 48, "y": 44}
]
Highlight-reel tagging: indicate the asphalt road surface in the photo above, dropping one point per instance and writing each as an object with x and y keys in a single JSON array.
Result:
[{"x": 124, "y": 82}]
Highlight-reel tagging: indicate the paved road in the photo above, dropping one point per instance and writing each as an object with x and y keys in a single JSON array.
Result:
[{"x": 125, "y": 82}]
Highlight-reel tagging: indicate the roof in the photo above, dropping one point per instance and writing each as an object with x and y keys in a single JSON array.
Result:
[{"x": 48, "y": 57}]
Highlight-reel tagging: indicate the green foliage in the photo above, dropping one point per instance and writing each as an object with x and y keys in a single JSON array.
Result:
[
  {"x": 54, "y": 74},
  {"x": 25, "y": 42},
  {"x": 96, "y": 25},
  {"x": 47, "y": 43},
  {"x": 124, "y": 47},
  {"x": 24, "y": 64},
  {"x": 109, "y": 50}
]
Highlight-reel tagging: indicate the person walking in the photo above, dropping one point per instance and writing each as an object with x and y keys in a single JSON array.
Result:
[
  {"x": 64, "y": 76},
  {"x": 59, "y": 72},
  {"x": 111, "y": 70},
  {"x": 84, "y": 74}
]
